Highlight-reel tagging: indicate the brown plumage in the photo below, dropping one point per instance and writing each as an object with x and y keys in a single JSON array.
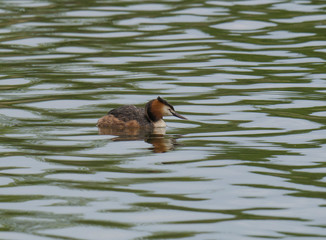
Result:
[{"x": 127, "y": 116}]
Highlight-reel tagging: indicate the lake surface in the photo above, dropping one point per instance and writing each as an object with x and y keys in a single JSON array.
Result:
[{"x": 248, "y": 164}]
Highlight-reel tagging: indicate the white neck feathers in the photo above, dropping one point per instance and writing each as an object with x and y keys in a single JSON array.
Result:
[{"x": 159, "y": 124}]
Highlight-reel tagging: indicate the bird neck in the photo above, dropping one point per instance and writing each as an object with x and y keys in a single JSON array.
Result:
[{"x": 159, "y": 124}]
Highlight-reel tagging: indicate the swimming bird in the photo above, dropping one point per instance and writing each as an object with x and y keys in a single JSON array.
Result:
[{"x": 130, "y": 116}]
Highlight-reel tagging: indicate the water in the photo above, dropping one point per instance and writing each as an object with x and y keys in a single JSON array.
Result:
[{"x": 249, "y": 163}]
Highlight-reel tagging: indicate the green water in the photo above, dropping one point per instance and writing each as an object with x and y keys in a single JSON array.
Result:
[{"x": 248, "y": 164}]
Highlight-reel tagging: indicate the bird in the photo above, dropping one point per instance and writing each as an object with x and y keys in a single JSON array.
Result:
[{"x": 130, "y": 116}]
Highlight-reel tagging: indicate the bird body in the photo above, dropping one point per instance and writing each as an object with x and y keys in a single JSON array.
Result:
[{"x": 130, "y": 116}]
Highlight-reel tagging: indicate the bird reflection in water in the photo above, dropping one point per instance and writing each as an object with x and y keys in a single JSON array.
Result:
[{"x": 157, "y": 137}]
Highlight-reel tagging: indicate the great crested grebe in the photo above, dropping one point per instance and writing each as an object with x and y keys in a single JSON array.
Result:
[{"x": 130, "y": 116}]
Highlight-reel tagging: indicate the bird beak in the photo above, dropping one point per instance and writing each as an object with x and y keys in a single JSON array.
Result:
[{"x": 178, "y": 115}]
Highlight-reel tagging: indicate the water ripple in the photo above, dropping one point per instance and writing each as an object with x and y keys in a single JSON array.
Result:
[{"x": 249, "y": 162}]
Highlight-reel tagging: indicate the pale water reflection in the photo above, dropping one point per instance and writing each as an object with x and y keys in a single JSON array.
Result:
[{"x": 250, "y": 162}]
